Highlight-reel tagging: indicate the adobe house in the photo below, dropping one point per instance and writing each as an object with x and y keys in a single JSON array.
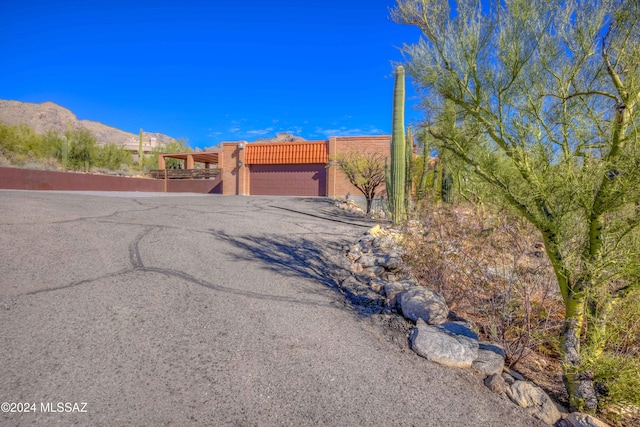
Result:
[{"x": 305, "y": 168}]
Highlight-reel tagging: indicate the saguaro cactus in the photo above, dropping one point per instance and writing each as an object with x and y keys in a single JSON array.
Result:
[
  {"x": 398, "y": 169},
  {"x": 140, "y": 153},
  {"x": 408, "y": 188}
]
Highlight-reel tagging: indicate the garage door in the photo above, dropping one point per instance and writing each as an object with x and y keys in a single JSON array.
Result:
[{"x": 288, "y": 180}]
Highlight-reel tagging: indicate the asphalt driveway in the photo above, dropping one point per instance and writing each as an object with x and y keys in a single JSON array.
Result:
[{"x": 152, "y": 309}]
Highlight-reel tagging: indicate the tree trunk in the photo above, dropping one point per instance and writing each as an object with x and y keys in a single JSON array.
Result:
[{"x": 579, "y": 384}]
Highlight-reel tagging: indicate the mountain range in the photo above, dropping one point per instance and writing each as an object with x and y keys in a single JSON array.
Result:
[{"x": 49, "y": 116}]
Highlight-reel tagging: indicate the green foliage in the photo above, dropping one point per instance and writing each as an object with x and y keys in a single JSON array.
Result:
[
  {"x": 365, "y": 171},
  {"x": 23, "y": 140},
  {"x": 77, "y": 150},
  {"x": 410, "y": 165},
  {"x": 21, "y": 145},
  {"x": 112, "y": 156},
  {"x": 397, "y": 170},
  {"x": 82, "y": 150},
  {"x": 64, "y": 152},
  {"x": 545, "y": 108},
  {"x": 175, "y": 146}
]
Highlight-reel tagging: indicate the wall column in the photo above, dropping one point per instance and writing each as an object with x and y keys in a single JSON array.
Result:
[{"x": 243, "y": 170}]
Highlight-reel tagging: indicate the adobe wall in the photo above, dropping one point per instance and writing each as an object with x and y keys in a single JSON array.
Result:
[
  {"x": 30, "y": 179},
  {"x": 234, "y": 171},
  {"x": 337, "y": 183}
]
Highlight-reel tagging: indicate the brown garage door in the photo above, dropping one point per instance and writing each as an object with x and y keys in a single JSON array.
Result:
[{"x": 288, "y": 180}]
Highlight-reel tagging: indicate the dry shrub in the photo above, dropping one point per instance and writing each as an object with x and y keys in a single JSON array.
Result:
[{"x": 492, "y": 270}]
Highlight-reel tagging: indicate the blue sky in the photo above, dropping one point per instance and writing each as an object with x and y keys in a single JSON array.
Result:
[{"x": 209, "y": 71}]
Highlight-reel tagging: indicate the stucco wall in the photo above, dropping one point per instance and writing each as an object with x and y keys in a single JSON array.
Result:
[
  {"x": 29, "y": 179},
  {"x": 338, "y": 184}
]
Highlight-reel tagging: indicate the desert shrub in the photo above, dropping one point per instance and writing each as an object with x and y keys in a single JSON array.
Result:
[
  {"x": 112, "y": 157},
  {"x": 491, "y": 268},
  {"x": 616, "y": 370},
  {"x": 82, "y": 149},
  {"x": 150, "y": 161}
]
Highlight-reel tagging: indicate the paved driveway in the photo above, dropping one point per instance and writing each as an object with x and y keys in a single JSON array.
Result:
[{"x": 138, "y": 309}]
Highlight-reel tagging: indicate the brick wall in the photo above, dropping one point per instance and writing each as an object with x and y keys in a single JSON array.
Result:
[
  {"x": 234, "y": 177},
  {"x": 29, "y": 179},
  {"x": 337, "y": 182}
]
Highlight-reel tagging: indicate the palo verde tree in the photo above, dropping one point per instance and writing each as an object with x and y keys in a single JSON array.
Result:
[
  {"x": 546, "y": 98},
  {"x": 364, "y": 170}
]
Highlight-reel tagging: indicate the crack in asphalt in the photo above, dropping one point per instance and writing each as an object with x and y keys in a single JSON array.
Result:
[{"x": 137, "y": 265}]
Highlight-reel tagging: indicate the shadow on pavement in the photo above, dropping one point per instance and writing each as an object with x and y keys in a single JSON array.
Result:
[{"x": 322, "y": 262}]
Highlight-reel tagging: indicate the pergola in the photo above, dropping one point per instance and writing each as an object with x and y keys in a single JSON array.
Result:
[{"x": 190, "y": 159}]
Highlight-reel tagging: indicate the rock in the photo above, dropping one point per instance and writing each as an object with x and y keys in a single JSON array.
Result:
[
  {"x": 534, "y": 400},
  {"x": 495, "y": 383},
  {"x": 394, "y": 289},
  {"x": 356, "y": 268},
  {"x": 434, "y": 343},
  {"x": 385, "y": 242},
  {"x": 577, "y": 419},
  {"x": 367, "y": 260},
  {"x": 354, "y": 253},
  {"x": 372, "y": 272},
  {"x": 423, "y": 303},
  {"x": 377, "y": 285},
  {"x": 388, "y": 262},
  {"x": 459, "y": 328},
  {"x": 490, "y": 359},
  {"x": 508, "y": 378},
  {"x": 516, "y": 375}
]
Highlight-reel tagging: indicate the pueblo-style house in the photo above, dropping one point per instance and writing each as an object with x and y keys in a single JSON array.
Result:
[{"x": 301, "y": 168}]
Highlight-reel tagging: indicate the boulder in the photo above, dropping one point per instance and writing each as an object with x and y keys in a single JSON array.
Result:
[
  {"x": 459, "y": 328},
  {"x": 388, "y": 261},
  {"x": 495, "y": 383},
  {"x": 422, "y": 303},
  {"x": 508, "y": 378},
  {"x": 394, "y": 289},
  {"x": 367, "y": 260},
  {"x": 534, "y": 400},
  {"x": 515, "y": 375},
  {"x": 434, "y": 343},
  {"x": 490, "y": 359},
  {"x": 371, "y": 272},
  {"x": 578, "y": 419}
]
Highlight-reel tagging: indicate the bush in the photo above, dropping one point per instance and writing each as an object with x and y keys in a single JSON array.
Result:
[
  {"x": 113, "y": 157},
  {"x": 491, "y": 268}
]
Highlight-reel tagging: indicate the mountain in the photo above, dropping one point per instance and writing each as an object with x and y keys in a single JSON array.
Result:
[
  {"x": 52, "y": 117},
  {"x": 282, "y": 137}
]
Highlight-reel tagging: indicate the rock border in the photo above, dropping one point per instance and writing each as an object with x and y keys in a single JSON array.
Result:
[{"x": 376, "y": 280}]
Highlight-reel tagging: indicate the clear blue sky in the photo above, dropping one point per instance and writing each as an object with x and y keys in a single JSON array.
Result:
[{"x": 209, "y": 71}]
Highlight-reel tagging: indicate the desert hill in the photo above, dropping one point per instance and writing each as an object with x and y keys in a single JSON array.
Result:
[{"x": 49, "y": 116}]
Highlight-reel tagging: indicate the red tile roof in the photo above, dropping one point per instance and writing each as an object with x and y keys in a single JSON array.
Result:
[{"x": 279, "y": 153}]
